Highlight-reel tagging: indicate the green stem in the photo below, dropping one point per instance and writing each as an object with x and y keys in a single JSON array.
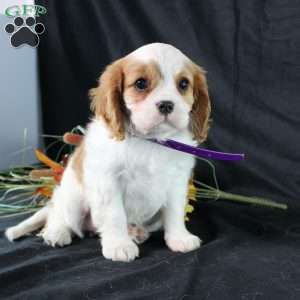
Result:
[
  {"x": 253, "y": 200},
  {"x": 242, "y": 199}
]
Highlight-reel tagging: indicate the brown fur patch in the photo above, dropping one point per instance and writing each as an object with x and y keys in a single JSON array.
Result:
[
  {"x": 107, "y": 99},
  {"x": 77, "y": 162},
  {"x": 188, "y": 94},
  {"x": 118, "y": 79},
  {"x": 135, "y": 70},
  {"x": 201, "y": 107}
]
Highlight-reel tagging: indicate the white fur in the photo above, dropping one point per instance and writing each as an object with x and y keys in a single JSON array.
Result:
[{"x": 130, "y": 181}]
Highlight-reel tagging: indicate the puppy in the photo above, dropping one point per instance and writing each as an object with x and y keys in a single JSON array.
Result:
[{"x": 117, "y": 176}]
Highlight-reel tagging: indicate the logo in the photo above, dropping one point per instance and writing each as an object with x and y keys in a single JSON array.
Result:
[
  {"x": 25, "y": 10},
  {"x": 24, "y": 30}
]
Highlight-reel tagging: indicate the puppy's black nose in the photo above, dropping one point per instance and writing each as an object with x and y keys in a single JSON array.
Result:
[{"x": 165, "y": 107}]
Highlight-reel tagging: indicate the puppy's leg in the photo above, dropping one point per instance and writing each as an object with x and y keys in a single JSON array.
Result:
[
  {"x": 177, "y": 237},
  {"x": 65, "y": 216},
  {"x": 109, "y": 218},
  {"x": 56, "y": 232},
  {"x": 29, "y": 225}
]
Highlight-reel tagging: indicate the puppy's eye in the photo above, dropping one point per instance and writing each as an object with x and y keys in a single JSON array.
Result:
[
  {"x": 141, "y": 84},
  {"x": 183, "y": 84}
]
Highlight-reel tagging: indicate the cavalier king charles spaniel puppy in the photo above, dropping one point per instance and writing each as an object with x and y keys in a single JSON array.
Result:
[{"x": 118, "y": 183}]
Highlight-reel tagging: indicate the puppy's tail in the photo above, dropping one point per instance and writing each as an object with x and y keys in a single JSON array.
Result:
[{"x": 35, "y": 222}]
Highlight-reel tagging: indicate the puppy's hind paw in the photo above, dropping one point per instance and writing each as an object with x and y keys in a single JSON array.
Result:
[
  {"x": 60, "y": 237},
  {"x": 10, "y": 234},
  {"x": 138, "y": 233},
  {"x": 185, "y": 243},
  {"x": 13, "y": 233}
]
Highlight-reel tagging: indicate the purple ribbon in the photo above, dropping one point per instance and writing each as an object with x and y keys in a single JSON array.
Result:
[{"x": 200, "y": 152}]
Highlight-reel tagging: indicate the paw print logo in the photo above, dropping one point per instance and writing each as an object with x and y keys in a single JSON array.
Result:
[{"x": 24, "y": 31}]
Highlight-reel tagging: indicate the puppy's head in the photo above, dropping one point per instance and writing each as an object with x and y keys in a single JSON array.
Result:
[{"x": 157, "y": 90}]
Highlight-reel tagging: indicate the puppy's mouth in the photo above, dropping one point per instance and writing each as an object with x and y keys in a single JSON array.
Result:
[
  {"x": 164, "y": 121},
  {"x": 162, "y": 128}
]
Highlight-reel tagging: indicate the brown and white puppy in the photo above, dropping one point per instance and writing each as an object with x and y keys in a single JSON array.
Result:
[{"x": 117, "y": 176}]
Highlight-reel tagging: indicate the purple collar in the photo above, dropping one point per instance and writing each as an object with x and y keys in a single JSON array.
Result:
[{"x": 200, "y": 152}]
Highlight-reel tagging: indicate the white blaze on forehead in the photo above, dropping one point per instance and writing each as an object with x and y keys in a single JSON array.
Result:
[{"x": 169, "y": 59}]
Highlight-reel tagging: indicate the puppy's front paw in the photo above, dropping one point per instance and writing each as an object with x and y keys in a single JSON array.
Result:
[
  {"x": 120, "y": 250},
  {"x": 183, "y": 243}
]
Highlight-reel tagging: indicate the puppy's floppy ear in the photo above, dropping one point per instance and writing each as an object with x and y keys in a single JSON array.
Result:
[
  {"x": 107, "y": 100},
  {"x": 201, "y": 108}
]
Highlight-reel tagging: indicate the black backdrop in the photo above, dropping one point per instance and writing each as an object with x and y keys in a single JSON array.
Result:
[{"x": 251, "y": 52}]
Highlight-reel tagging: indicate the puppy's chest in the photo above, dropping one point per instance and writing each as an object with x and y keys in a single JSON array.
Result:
[
  {"x": 149, "y": 162},
  {"x": 143, "y": 195},
  {"x": 146, "y": 179}
]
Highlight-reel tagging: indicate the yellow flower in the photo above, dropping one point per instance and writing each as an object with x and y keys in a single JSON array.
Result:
[{"x": 191, "y": 198}]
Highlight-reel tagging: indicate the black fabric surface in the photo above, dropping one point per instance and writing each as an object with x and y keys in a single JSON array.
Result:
[{"x": 251, "y": 52}]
